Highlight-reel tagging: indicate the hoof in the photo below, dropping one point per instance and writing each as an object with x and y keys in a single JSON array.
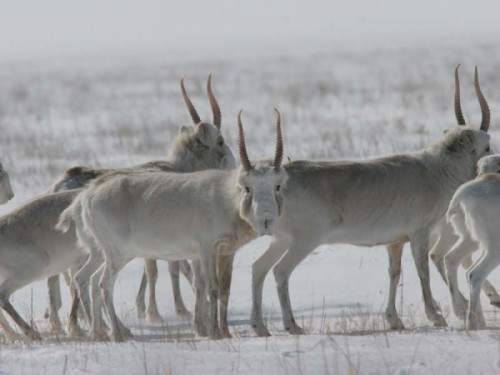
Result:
[
  {"x": 215, "y": 334},
  {"x": 437, "y": 306},
  {"x": 261, "y": 330},
  {"x": 99, "y": 336},
  {"x": 439, "y": 322},
  {"x": 126, "y": 333},
  {"x": 34, "y": 336},
  {"x": 12, "y": 336},
  {"x": 294, "y": 329},
  {"x": 56, "y": 328},
  {"x": 394, "y": 322},
  {"x": 225, "y": 333},
  {"x": 184, "y": 314},
  {"x": 118, "y": 338},
  {"x": 397, "y": 326},
  {"x": 75, "y": 331},
  {"x": 200, "y": 331},
  {"x": 154, "y": 317},
  {"x": 141, "y": 310},
  {"x": 473, "y": 325}
]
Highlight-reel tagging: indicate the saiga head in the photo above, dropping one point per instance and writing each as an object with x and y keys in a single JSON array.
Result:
[{"x": 261, "y": 185}]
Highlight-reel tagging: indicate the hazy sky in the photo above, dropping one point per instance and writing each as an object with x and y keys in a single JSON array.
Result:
[{"x": 67, "y": 27}]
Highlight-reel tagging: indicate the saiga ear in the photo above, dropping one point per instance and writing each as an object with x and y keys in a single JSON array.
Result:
[
  {"x": 204, "y": 134},
  {"x": 184, "y": 129}
]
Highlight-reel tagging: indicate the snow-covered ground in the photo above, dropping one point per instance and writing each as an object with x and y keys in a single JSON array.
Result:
[{"x": 335, "y": 103}]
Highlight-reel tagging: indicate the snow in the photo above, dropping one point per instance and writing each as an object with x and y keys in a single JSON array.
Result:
[{"x": 335, "y": 103}]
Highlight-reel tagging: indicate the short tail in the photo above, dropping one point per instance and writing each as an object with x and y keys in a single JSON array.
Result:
[
  {"x": 454, "y": 207},
  {"x": 66, "y": 217}
]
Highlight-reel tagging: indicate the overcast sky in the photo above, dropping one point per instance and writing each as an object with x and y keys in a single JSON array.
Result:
[{"x": 31, "y": 29}]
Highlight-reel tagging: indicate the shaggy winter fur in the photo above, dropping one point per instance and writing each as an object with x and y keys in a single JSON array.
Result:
[
  {"x": 6, "y": 193},
  {"x": 178, "y": 216},
  {"x": 367, "y": 204},
  {"x": 463, "y": 244},
  {"x": 31, "y": 249},
  {"x": 196, "y": 148},
  {"x": 473, "y": 212}
]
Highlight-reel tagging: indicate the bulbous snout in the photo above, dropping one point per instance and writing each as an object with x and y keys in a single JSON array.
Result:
[
  {"x": 6, "y": 193},
  {"x": 6, "y": 196},
  {"x": 266, "y": 225}
]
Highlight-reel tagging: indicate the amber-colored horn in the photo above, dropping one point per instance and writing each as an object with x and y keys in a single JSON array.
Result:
[
  {"x": 485, "y": 109},
  {"x": 213, "y": 103},
  {"x": 458, "y": 107},
  {"x": 278, "y": 156},
  {"x": 243, "y": 148},
  {"x": 192, "y": 110}
]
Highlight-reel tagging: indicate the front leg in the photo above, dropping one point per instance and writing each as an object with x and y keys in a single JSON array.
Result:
[
  {"x": 225, "y": 271},
  {"x": 209, "y": 266},
  {"x": 420, "y": 250},
  {"x": 10, "y": 333},
  {"x": 200, "y": 316},
  {"x": 140, "y": 299},
  {"x": 395, "y": 252},
  {"x": 297, "y": 252},
  {"x": 260, "y": 269},
  {"x": 54, "y": 304}
]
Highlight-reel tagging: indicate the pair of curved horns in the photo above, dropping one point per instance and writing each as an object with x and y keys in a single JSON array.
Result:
[
  {"x": 485, "y": 110},
  {"x": 278, "y": 156},
  {"x": 213, "y": 103}
]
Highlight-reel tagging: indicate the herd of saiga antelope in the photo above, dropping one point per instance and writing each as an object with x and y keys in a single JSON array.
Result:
[{"x": 197, "y": 205}]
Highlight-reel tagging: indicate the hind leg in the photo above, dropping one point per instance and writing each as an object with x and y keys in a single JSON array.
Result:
[
  {"x": 82, "y": 280},
  {"x": 488, "y": 288},
  {"x": 140, "y": 304},
  {"x": 73, "y": 328},
  {"x": 476, "y": 276},
  {"x": 54, "y": 304},
  {"x": 152, "y": 313},
  {"x": 113, "y": 264},
  {"x": 447, "y": 239},
  {"x": 200, "y": 304},
  {"x": 27, "y": 330},
  {"x": 452, "y": 260},
  {"x": 98, "y": 328},
  {"x": 10, "y": 333}
]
